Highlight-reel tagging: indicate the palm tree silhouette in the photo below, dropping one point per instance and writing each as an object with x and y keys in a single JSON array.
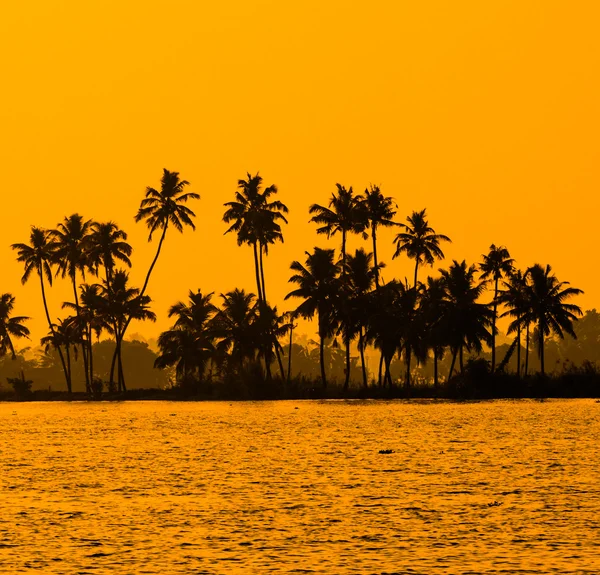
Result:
[
  {"x": 419, "y": 241},
  {"x": 10, "y": 326},
  {"x": 189, "y": 344},
  {"x": 379, "y": 212},
  {"x": 362, "y": 275},
  {"x": 319, "y": 287},
  {"x": 514, "y": 296},
  {"x": 163, "y": 208},
  {"x": 466, "y": 321},
  {"x": 434, "y": 307},
  {"x": 546, "y": 306},
  {"x": 63, "y": 333},
  {"x": 37, "y": 256},
  {"x": 496, "y": 265},
  {"x": 345, "y": 214},
  {"x": 69, "y": 242}
]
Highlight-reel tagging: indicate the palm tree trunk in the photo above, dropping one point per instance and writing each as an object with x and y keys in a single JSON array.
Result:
[
  {"x": 289, "y": 373},
  {"x": 454, "y": 354},
  {"x": 262, "y": 273},
  {"x": 112, "y": 366},
  {"x": 257, "y": 273},
  {"x": 52, "y": 330},
  {"x": 362, "y": 357},
  {"x": 83, "y": 343},
  {"x": 374, "y": 236},
  {"x": 120, "y": 367},
  {"x": 345, "y": 303},
  {"x": 462, "y": 365},
  {"x": 91, "y": 358},
  {"x": 435, "y": 370},
  {"x": 416, "y": 270},
  {"x": 494, "y": 327},
  {"x": 379, "y": 382},
  {"x": 322, "y": 360},
  {"x": 279, "y": 362},
  {"x": 388, "y": 374},
  {"x": 541, "y": 344},
  {"x": 527, "y": 350},
  {"x": 519, "y": 350}
]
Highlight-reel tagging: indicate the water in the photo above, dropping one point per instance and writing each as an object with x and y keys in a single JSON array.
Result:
[{"x": 300, "y": 487}]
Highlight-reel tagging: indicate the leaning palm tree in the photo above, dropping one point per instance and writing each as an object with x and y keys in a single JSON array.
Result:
[
  {"x": 496, "y": 265},
  {"x": 419, "y": 241},
  {"x": 319, "y": 287},
  {"x": 345, "y": 214},
  {"x": 380, "y": 212},
  {"x": 68, "y": 243},
  {"x": 546, "y": 306},
  {"x": 467, "y": 322},
  {"x": 37, "y": 257},
  {"x": 10, "y": 326},
  {"x": 163, "y": 208}
]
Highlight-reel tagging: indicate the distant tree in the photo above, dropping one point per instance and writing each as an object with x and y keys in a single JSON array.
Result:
[
  {"x": 319, "y": 287},
  {"x": 419, "y": 241},
  {"x": 496, "y": 265}
]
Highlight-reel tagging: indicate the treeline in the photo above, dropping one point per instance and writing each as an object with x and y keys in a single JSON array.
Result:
[{"x": 431, "y": 328}]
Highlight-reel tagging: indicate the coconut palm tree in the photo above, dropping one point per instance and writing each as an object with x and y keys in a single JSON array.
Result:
[
  {"x": 419, "y": 241},
  {"x": 546, "y": 307},
  {"x": 235, "y": 326},
  {"x": 319, "y": 286},
  {"x": 434, "y": 307},
  {"x": 256, "y": 219},
  {"x": 496, "y": 265},
  {"x": 513, "y": 295},
  {"x": 68, "y": 243},
  {"x": 379, "y": 212},
  {"x": 10, "y": 326},
  {"x": 106, "y": 245},
  {"x": 63, "y": 333},
  {"x": 163, "y": 208},
  {"x": 466, "y": 321},
  {"x": 189, "y": 343},
  {"x": 345, "y": 214},
  {"x": 37, "y": 257},
  {"x": 362, "y": 275}
]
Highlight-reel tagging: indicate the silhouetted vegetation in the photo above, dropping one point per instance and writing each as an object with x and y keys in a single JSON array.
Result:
[{"x": 374, "y": 338}]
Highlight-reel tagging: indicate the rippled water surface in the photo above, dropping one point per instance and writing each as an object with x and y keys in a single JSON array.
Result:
[{"x": 300, "y": 487}]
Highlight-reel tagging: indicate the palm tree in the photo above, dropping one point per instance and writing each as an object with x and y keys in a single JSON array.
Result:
[
  {"x": 546, "y": 306},
  {"x": 496, "y": 265},
  {"x": 10, "y": 326},
  {"x": 514, "y": 296},
  {"x": 163, "y": 208},
  {"x": 318, "y": 286},
  {"x": 63, "y": 334},
  {"x": 345, "y": 214},
  {"x": 69, "y": 242},
  {"x": 419, "y": 241},
  {"x": 362, "y": 275},
  {"x": 37, "y": 256},
  {"x": 189, "y": 343},
  {"x": 255, "y": 219},
  {"x": 235, "y": 325},
  {"x": 466, "y": 321},
  {"x": 380, "y": 212},
  {"x": 433, "y": 304}
]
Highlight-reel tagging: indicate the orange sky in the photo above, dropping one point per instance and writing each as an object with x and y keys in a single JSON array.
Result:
[{"x": 486, "y": 113}]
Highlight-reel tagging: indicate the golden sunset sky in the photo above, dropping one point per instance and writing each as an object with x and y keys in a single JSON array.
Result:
[{"x": 486, "y": 113}]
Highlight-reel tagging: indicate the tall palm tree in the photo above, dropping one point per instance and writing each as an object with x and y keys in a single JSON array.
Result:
[
  {"x": 189, "y": 343},
  {"x": 345, "y": 214},
  {"x": 379, "y": 212},
  {"x": 10, "y": 326},
  {"x": 256, "y": 219},
  {"x": 496, "y": 265},
  {"x": 68, "y": 243},
  {"x": 513, "y": 295},
  {"x": 419, "y": 241},
  {"x": 37, "y": 256},
  {"x": 467, "y": 321},
  {"x": 318, "y": 285},
  {"x": 546, "y": 306},
  {"x": 164, "y": 207}
]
